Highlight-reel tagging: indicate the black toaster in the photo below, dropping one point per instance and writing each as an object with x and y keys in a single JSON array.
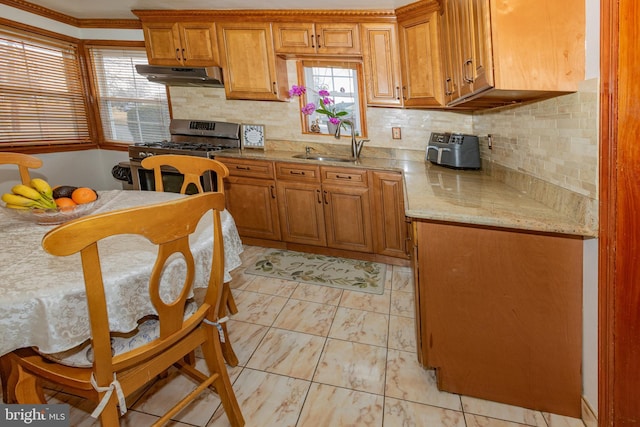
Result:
[{"x": 454, "y": 150}]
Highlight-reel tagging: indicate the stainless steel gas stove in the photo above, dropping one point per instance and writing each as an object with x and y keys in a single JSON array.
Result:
[{"x": 188, "y": 137}]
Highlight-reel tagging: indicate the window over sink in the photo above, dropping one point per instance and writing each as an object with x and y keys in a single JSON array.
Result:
[{"x": 342, "y": 80}]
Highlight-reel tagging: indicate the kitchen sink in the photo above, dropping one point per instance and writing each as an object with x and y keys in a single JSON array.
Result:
[{"x": 324, "y": 158}]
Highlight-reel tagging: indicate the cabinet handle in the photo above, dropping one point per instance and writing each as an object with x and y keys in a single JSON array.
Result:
[
  {"x": 343, "y": 176},
  {"x": 183, "y": 55},
  {"x": 178, "y": 54},
  {"x": 275, "y": 88},
  {"x": 243, "y": 168},
  {"x": 273, "y": 191},
  {"x": 326, "y": 197},
  {"x": 313, "y": 43},
  {"x": 404, "y": 93},
  {"x": 318, "y": 36},
  {"x": 448, "y": 87},
  {"x": 319, "y": 198},
  {"x": 296, "y": 172},
  {"x": 397, "y": 94},
  {"x": 465, "y": 67}
]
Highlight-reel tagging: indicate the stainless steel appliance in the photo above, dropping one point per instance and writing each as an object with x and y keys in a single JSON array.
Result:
[
  {"x": 182, "y": 76},
  {"x": 188, "y": 137},
  {"x": 454, "y": 150}
]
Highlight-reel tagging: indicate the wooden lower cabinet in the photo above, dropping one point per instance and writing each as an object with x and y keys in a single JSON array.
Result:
[
  {"x": 499, "y": 314},
  {"x": 250, "y": 191},
  {"x": 347, "y": 217},
  {"x": 390, "y": 230}
]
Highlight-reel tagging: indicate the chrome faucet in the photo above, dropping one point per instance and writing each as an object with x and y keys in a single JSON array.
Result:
[{"x": 356, "y": 146}]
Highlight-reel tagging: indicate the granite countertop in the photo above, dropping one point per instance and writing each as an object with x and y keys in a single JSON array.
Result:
[{"x": 463, "y": 196}]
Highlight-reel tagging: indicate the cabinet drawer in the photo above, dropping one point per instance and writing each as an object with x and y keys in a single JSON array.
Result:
[
  {"x": 298, "y": 172},
  {"x": 248, "y": 168},
  {"x": 343, "y": 176}
]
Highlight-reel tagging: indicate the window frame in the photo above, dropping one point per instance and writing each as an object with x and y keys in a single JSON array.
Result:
[{"x": 321, "y": 62}]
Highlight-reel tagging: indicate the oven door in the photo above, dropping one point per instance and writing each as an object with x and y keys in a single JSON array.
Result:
[{"x": 172, "y": 180}]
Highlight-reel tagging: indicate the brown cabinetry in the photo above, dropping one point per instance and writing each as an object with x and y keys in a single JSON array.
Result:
[
  {"x": 251, "y": 68},
  {"x": 181, "y": 43},
  {"x": 381, "y": 58},
  {"x": 512, "y": 51},
  {"x": 420, "y": 56},
  {"x": 299, "y": 38},
  {"x": 389, "y": 223},
  {"x": 499, "y": 314},
  {"x": 251, "y": 198}
]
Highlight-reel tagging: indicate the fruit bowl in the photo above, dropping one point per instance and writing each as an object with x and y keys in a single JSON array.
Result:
[{"x": 53, "y": 216}]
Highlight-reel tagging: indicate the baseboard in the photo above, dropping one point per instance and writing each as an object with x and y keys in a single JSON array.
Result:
[{"x": 589, "y": 417}]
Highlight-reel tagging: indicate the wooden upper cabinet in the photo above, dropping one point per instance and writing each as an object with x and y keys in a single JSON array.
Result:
[
  {"x": 420, "y": 56},
  {"x": 181, "y": 43},
  {"x": 251, "y": 68},
  {"x": 293, "y": 38},
  {"x": 381, "y": 57},
  {"x": 512, "y": 51},
  {"x": 450, "y": 50}
]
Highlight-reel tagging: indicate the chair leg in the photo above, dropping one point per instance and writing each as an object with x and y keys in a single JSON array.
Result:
[
  {"x": 5, "y": 371},
  {"x": 28, "y": 388},
  {"x": 213, "y": 356},
  {"x": 227, "y": 349},
  {"x": 227, "y": 298}
]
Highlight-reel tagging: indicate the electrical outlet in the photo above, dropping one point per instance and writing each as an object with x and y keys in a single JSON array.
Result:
[
  {"x": 395, "y": 133},
  {"x": 490, "y": 141}
]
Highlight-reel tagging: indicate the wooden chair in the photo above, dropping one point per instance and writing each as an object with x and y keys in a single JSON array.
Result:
[
  {"x": 193, "y": 168},
  {"x": 23, "y": 161},
  {"x": 179, "y": 333}
]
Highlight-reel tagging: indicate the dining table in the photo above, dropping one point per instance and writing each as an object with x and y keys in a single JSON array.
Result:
[{"x": 43, "y": 298}]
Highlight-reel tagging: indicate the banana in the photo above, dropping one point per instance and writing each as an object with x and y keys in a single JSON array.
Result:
[
  {"x": 17, "y": 207},
  {"x": 17, "y": 200},
  {"x": 42, "y": 187},
  {"x": 26, "y": 191}
]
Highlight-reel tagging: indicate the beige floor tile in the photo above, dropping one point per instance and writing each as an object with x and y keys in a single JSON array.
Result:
[
  {"x": 257, "y": 308},
  {"x": 352, "y": 365},
  {"x": 266, "y": 400},
  {"x": 369, "y": 302},
  {"x": 502, "y": 411},
  {"x": 402, "y": 333},
  {"x": 271, "y": 286},
  {"x": 316, "y": 293},
  {"x": 240, "y": 279},
  {"x": 400, "y": 413},
  {"x": 388, "y": 277},
  {"x": 480, "y": 421},
  {"x": 288, "y": 353},
  {"x": 554, "y": 420},
  {"x": 360, "y": 326},
  {"x": 407, "y": 380},
  {"x": 307, "y": 317},
  {"x": 402, "y": 279},
  {"x": 333, "y": 406},
  {"x": 251, "y": 253},
  {"x": 402, "y": 304},
  {"x": 245, "y": 338}
]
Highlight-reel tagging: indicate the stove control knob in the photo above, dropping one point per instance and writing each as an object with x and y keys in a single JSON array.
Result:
[{"x": 145, "y": 154}]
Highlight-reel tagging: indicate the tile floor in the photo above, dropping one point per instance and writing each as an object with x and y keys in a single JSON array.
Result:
[{"x": 319, "y": 356}]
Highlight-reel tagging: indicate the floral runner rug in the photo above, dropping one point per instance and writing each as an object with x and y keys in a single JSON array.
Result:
[{"x": 343, "y": 273}]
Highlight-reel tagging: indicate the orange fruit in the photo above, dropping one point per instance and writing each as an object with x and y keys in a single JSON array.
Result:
[
  {"x": 83, "y": 195},
  {"x": 65, "y": 203}
]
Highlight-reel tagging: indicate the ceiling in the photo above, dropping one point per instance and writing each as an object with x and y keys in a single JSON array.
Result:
[{"x": 121, "y": 9}]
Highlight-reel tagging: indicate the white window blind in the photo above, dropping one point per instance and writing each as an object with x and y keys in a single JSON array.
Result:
[
  {"x": 132, "y": 109},
  {"x": 41, "y": 92}
]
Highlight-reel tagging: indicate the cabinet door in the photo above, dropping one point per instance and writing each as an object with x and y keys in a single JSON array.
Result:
[
  {"x": 389, "y": 223},
  {"x": 420, "y": 53},
  {"x": 473, "y": 24},
  {"x": 338, "y": 39},
  {"x": 347, "y": 217},
  {"x": 450, "y": 51},
  {"x": 301, "y": 213},
  {"x": 251, "y": 69},
  {"x": 381, "y": 64},
  {"x": 162, "y": 41},
  {"x": 199, "y": 44},
  {"x": 253, "y": 204},
  {"x": 294, "y": 38}
]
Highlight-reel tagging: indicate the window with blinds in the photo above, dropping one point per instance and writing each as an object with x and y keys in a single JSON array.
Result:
[
  {"x": 41, "y": 92},
  {"x": 132, "y": 109}
]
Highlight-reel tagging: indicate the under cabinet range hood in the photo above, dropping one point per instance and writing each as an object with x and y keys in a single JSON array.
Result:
[{"x": 182, "y": 76}]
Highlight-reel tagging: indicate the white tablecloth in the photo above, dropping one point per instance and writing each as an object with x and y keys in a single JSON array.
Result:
[{"x": 42, "y": 297}]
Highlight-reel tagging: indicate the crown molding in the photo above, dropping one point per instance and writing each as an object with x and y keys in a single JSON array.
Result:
[
  {"x": 253, "y": 15},
  {"x": 70, "y": 20}
]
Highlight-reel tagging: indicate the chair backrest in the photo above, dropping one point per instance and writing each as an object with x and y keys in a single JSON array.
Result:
[
  {"x": 191, "y": 167},
  {"x": 167, "y": 225},
  {"x": 23, "y": 161}
]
